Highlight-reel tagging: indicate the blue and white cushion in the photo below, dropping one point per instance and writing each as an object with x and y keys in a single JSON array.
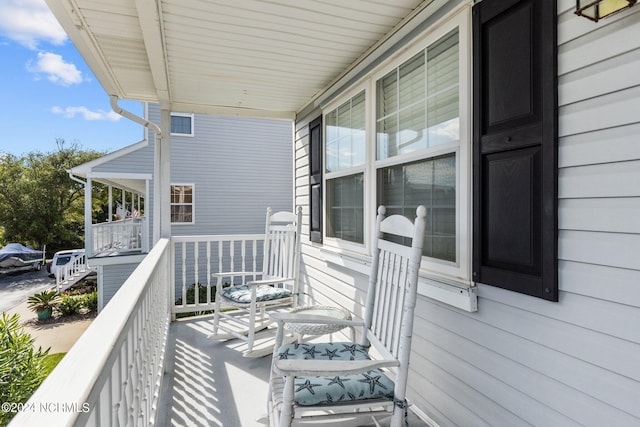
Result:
[
  {"x": 344, "y": 388},
  {"x": 241, "y": 294}
]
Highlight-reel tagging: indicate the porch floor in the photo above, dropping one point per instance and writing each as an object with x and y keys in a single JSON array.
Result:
[{"x": 209, "y": 383}]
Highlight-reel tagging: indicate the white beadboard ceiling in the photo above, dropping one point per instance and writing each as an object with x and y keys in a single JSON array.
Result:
[{"x": 261, "y": 58}]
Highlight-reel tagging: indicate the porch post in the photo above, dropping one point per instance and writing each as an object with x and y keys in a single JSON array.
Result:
[
  {"x": 88, "y": 220},
  {"x": 110, "y": 213},
  {"x": 147, "y": 220},
  {"x": 162, "y": 179}
]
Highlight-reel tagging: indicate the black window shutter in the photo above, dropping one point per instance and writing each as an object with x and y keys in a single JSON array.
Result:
[
  {"x": 315, "y": 180},
  {"x": 515, "y": 146}
]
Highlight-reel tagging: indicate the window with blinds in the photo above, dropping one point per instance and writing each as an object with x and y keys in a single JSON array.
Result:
[
  {"x": 181, "y": 124},
  {"x": 417, "y": 137},
  {"x": 345, "y": 158}
]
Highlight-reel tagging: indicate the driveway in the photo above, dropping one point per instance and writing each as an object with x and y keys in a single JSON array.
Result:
[{"x": 16, "y": 288}]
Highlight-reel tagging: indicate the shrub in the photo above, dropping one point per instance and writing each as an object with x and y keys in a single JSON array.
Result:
[
  {"x": 70, "y": 305},
  {"x": 21, "y": 367},
  {"x": 90, "y": 301}
]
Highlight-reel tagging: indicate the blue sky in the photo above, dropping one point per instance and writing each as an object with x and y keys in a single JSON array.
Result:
[{"x": 48, "y": 91}]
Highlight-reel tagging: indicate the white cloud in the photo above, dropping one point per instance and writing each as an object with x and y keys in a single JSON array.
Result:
[
  {"x": 87, "y": 114},
  {"x": 57, "y": 71},
  {"x": 30, "y": 22}
]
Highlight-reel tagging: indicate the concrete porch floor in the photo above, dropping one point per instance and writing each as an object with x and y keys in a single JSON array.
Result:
[{"x": 209, "y": 383}]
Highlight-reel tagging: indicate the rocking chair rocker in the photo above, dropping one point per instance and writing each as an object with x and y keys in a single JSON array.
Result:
[{"x": 321, "y": 384}]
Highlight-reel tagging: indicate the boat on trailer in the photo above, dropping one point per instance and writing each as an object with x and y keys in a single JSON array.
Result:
[{"x": 17, "y": 257}]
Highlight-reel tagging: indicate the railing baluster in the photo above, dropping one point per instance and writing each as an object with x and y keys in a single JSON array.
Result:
[
  {"x": 196, "y": 296},
  {"x": 208, "y": 272},
  {"x": 184, "y": 273}
]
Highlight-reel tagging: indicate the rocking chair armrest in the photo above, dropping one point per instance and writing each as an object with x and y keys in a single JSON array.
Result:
[
  {"x": 285, "y": 317},
  {"x": 302, "y": 367},
  {"x": 270, "y": 281}
]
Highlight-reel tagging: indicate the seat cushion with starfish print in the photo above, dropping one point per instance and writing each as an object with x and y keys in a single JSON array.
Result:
[{"x": 311, "y": 390}]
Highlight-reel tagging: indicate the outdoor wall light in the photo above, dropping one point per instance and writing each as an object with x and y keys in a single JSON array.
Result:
[{"x": 598, "y": 9}]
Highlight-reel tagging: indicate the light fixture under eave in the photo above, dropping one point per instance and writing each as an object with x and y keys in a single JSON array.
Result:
[{"x": 598, "y": 9}]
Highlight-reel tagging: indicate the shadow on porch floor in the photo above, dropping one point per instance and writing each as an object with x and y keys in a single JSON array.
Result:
[{"x": 209, "y": 383}]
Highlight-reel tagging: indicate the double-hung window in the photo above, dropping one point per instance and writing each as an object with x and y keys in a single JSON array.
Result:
[
  {"x": 419, "y": 142},
  {"x": 418, "y": 150},
  {"x": 182, "y": 204},
  {"x": 345, "y": 161}
]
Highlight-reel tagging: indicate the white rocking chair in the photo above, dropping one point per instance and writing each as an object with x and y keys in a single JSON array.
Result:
[
  {"x": 275, "y": 286},
  {"x": 340, "y": 383}
]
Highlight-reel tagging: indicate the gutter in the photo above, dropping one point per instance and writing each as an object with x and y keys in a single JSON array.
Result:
[
  {"x": 75, "y": 178},
  {"x": 113, "y": 99}
]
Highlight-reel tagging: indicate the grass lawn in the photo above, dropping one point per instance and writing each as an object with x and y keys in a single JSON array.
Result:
[{"x": 51, "y": 361}]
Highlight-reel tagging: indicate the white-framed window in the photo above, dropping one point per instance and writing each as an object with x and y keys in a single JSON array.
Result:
[
  {"x": 345, "y": 148},
  {"x": 182, "y": 204},
  {"x": 415, "y": 109},
  {"x": 181, "y": 124}
]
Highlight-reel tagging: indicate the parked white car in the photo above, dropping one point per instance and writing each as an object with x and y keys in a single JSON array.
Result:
[{"x": 61, "y": 258}]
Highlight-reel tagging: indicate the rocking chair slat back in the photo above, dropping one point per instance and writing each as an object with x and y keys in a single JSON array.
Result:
[
  {"x": 393, "y": 283},
  {"x": 280, "y": 251}
]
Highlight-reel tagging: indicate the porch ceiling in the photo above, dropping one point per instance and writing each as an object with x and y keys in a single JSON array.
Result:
[{"x": 261, "y": 58}]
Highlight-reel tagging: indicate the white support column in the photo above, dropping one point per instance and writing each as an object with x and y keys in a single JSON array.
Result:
[
  {"x": 162, "y": 179},
  {"x": 110, "y": 213},
  {"x": 147, "y": 220},
  {"x": 88, "y": 220}
]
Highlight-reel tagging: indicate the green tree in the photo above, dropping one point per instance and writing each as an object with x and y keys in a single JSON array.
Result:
[
  {"x": 39, "y": 203},
  {"x": 21, "y": 366}
]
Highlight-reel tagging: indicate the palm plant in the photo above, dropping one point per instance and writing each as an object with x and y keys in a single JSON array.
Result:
[{"x": 43, "y": 303}]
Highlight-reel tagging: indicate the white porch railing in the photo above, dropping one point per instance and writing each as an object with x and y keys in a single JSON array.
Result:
[
  {"x": 112, "y": 376},
  {"x": 196, "y": 258},
  {"x": 127, "y": 235},
  {"x": 72, "y": 272}
]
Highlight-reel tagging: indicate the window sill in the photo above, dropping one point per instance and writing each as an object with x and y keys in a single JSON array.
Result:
[{"x": 451, "y": 292}]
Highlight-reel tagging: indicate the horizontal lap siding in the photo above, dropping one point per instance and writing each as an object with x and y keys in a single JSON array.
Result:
[
  {"x": 138, "y": 161},
  {"x": 113, "y": 276},
  {"x": 521, "y": 360},
  {"x": 239, "y": 168}
]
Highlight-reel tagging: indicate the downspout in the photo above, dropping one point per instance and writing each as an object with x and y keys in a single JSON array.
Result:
[{"x": 156, "y": 178}]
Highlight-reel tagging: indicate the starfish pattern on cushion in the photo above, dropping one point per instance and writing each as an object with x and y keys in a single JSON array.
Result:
[
  {"x": 307, "y": 386},
  {"x": 338, "y": 380},
  {"x": 311, "y": 351},
  {"x": 373, "y": 381}
]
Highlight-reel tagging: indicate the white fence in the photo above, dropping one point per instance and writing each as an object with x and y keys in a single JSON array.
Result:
[
  {"x": 112, "y": 376},
  {"x": 125, "y": 235},
  {"x": 196, "y": 258}
]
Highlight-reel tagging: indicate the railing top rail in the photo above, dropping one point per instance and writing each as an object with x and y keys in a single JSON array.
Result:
[
  {"x": 135, "y": 220},
  {"x": 73, "y": 380},
  {"x": 216, "y": 237}
]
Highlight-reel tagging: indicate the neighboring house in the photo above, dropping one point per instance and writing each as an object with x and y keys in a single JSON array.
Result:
[
  {"x": 225, "y": 173},
  {"x": 516, "y": 122}
]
